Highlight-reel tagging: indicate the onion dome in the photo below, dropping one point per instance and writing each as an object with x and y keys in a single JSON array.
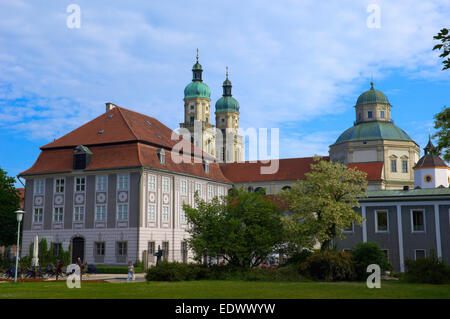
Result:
[
  {"x": 227, "y": 102},
  {"x": 197, "y": 88}
]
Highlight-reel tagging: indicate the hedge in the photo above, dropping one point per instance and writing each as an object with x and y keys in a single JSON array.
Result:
[{"x": 116, "y": 270}]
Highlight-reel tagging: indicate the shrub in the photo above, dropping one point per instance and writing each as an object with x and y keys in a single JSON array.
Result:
[
  {"x": 430, "y": 270},
  {"x": 299, "y": 257},
  {"x": 180, "y": 272},
  {"x": 170, "y": 271},
  {"x": 329, "y": 266},
  {"x": 365, "y": 254}
]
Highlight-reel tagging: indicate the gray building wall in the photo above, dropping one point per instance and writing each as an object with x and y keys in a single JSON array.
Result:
[
  {"x": 425, "y": 240},
  {"x": 444, "y": 224}
]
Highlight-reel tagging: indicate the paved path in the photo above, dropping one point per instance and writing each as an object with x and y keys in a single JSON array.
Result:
[{"x": 115, "y": 278}]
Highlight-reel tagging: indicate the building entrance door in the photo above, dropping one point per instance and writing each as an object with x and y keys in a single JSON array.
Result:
[{"x": 77, "y": 249}]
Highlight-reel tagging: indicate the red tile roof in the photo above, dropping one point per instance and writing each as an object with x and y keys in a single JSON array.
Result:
[
  {"x": 127, "y": 139},
  {"x": 120, "y": 156},
  {"x": 374, "y": 170},
  {"x": 289, "y": 169}
]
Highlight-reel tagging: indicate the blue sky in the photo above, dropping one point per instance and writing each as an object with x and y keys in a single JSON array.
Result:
[{"x": 295, "y": 65}]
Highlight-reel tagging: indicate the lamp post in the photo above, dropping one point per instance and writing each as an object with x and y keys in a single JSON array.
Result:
[{"x": 19, "y": 215}]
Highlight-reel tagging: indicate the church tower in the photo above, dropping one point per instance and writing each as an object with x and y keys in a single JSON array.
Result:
[
  {"x": 431, "y": 171},
  {"x": 231, "y": 147},
  {"x": 197, "y": 112}
]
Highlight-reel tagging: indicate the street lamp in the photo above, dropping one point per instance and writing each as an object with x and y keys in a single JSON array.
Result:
[{"x": 19, "y": 215}]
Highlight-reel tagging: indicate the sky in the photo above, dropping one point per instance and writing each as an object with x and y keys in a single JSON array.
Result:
[{"x": 298, "y": 66}]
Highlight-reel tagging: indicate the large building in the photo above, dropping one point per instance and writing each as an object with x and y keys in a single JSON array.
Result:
[
  {"x": 375, "y": 138},
  {"x": 113, "y": 189}
]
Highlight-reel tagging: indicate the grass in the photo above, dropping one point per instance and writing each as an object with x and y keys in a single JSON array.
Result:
[{"x": 223, "y": 289}]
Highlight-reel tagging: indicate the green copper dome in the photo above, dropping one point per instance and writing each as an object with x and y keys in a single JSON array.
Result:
[
  {"x": 197, "y": 89},
  {"x": 373, "y": 131},
  {"x": 372, "y": 96},
  {"x": 227, "y": 102}
]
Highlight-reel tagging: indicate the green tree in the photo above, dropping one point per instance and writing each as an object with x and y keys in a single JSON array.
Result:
[
  {"x": 444, "y": 37},
  {"x": 442, "y": 124},
  {"x": 322, "y": 206},
  {"x": 242, "y": 227},
  {"x": 9, "y": 203}
]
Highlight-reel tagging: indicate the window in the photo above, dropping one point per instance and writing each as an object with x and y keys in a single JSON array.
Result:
[
  {"x": 393, "y": 165},
  {"x": 162, "y": 156},
  {"x": 286, "y": 188},
  {"x": 220, "y": 191},
  {"x": 404, "y": 166},
  {"x": 165, "y": 248},
  {"x": 165, "y": 213},
  {"x": 382, "y": 114},
  {"x": 182, "y": 215},
  {"x": 57, "y": 248},
  {"x": 206, "y": 120},
  {"x": 418, "y": 220},
  {"x": 59, "y": 185},
  {"x": 369, "y": 114},
  {"x": 38, "y": 215},
  {"x": 381, "y": 221},
  {"x": 151, "y": 251},
  {"x": 39, "y": 186},
  {"x": 419, "y": 254},
  {"x": 151, "y": 212},
  {"x": 183, "y": 187},
  {"x": 349, "y": 229},
  {"x": 78, "y": 214},
  {"x": 165, "y": 182},
  {"x": 250, "y": 189},
  {"x": 58, "y": 214},
  {"x": 210, "y": 191},
  {"x": 151, "y": 182},
  {"x": 184, "y": 251},
  {"x": 122, "y": 182},
  {"x": 122, "y": 248},
  {"x": 100, "y": 249},
  {"x": 198, "y": 189},
  {"x": 80, "y": 184},
  {"x": 206, "y": 165},
  {"x": 166, "y": 186},
  {"x": 102, "y": 183},
  {"x": 100, "y": 213},
  {"x": 191, "y": 119},
  {"x": 122, "y": 212}
]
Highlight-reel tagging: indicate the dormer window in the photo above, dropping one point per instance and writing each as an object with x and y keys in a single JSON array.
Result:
[
  {"x": 206, "y": 167},
  {"x": 162, "y": 156},
  {"x": 81, "y": 157}
]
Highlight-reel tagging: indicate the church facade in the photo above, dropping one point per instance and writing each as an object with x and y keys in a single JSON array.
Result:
[{"x": 113, "y": 190}]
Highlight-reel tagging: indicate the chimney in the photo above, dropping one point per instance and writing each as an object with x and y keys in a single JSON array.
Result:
[{"x": 109, "y": 106}]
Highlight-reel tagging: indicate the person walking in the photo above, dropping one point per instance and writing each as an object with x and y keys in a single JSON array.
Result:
[{"x": 130, "y": 271}]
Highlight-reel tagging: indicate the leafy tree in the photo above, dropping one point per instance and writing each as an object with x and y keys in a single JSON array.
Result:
[
  {"x": 444, "y": 37},
  {"x": 9, "y": 203},
  {"x": 442, "y": 124},
  {"x": 242, "y": 227},
  {"x": 322, "y": 205}
]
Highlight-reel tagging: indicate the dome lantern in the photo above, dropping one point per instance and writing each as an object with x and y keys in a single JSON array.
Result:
[{"x": 227, "y": 102}]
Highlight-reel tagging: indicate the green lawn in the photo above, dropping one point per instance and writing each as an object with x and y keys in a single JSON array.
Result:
[{"x": 222, "y": 289}]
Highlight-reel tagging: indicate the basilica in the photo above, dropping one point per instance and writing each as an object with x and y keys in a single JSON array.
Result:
[{"x": 113, "y": 189}]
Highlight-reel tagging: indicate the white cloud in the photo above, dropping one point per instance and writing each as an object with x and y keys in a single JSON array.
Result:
[{"x": 289, "y": 61}]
